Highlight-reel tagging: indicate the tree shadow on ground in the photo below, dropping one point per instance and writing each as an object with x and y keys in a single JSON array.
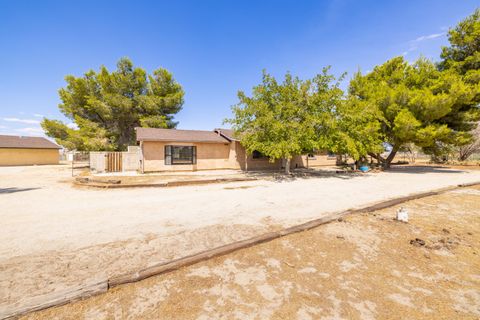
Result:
[
  {"x": 423, "y": 169},
  {"x": 296, "y": 174},
  {"x": 303, "y": 173},
  {"x": 13, "y": 190}
]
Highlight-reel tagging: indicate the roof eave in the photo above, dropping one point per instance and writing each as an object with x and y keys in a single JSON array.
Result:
[
  {"x": 184, "y": 141},
  {"x": 218, "y": 131},
  {"x": 16, "y": 147}
]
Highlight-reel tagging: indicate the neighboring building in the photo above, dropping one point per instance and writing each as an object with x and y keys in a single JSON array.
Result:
[
  {"x": 19, "y": 151},
  {"x": 190, "y": 150}
]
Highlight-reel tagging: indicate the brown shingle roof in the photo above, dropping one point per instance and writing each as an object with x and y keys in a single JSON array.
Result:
[
  {"x": 227, "y": 133},
  {"x": 152, "y": 134},
  {"x": 26, "y": 142}
]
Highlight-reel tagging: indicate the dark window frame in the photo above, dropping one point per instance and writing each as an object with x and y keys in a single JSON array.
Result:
[
  {"x": 331, "y": 155},
  {"x": 170, "y": 160},
  {"x": 257, "y": 155}
]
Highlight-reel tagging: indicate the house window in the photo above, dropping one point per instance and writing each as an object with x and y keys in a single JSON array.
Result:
[
  {"x": 330, "y": 155},
  {"x": 258, "y": 155},
  {"x": 311, "y": 156},
  {"x": 180, "y": 155}
]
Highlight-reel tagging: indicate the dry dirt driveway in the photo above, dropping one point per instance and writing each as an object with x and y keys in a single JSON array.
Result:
[
  {"x": 54, "y": 237},
  {"x": 361, "y": 267}
]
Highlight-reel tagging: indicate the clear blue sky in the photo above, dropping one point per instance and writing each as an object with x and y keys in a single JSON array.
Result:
[{"x": 213, "y": 48}]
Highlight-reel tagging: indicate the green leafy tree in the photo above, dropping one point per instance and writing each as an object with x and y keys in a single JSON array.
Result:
[
  {"x": 284, "y": 119},
  {"x": 356, "y": 131},
  {"x": 463, "y": 54},
  {"x": 107, "y": 106},
  {"x": 89, "y": 136},
  {"x": 414, "y": 103},
  {"x": 463, "y": 58}
]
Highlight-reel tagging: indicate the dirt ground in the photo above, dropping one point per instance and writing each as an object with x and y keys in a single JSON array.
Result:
[
  {"x": 56, "y": 238},
  {"x": 365, "y": 266}
]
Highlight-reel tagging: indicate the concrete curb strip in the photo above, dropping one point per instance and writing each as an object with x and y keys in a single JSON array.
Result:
[
  {"x": 58, "y": 299},
  {"x": 106, "y": 185}
]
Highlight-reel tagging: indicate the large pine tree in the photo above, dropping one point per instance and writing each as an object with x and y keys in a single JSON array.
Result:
[{"x": 107, "y": 106}]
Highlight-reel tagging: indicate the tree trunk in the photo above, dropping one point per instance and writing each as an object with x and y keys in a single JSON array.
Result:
[
  {"x": 287, "y": 165},
  {"x": 390, "y": 157},
  {"x": 339, "y": 160},
  {"x": 463, "y": 157},
  {"x": 377, "y": 157},
  {"x": 125, "y": 138}
]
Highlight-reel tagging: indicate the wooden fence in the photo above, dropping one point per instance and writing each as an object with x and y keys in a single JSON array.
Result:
[
  {"x": 109, "y": 161},
  {"x": 113, "y": 161}
]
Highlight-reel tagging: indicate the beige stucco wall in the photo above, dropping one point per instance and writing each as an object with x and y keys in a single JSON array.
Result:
[
  {"x": 130, "y": 160},
  {"x": 321, "y": 159},
  {"x": 221, "y": 156},
  {"x": 210, "y": 156},
  {"x": 97, "y": 161},
  {"x": 21, "y": 157},
  {"x": 253, "y": 164}
]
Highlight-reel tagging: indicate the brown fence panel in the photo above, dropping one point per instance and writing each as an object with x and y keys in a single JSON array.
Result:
[{"x": 114, "y": 162}]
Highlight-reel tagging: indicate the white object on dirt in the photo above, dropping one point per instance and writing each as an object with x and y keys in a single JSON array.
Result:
[{"x": 402, "y": 214}]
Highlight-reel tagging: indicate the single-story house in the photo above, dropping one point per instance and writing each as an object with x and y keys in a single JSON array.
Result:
[
  {"x": 19, "y": 151},
  {"x": 190, "y": 150}
]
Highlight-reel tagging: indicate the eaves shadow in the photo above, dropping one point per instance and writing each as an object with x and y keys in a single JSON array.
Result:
[
  {"x": 423, "y": 169},
  {"x": 14, "y": 189}
]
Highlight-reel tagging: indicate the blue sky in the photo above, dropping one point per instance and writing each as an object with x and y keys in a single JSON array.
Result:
[{"x": 213, "y": 48}]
